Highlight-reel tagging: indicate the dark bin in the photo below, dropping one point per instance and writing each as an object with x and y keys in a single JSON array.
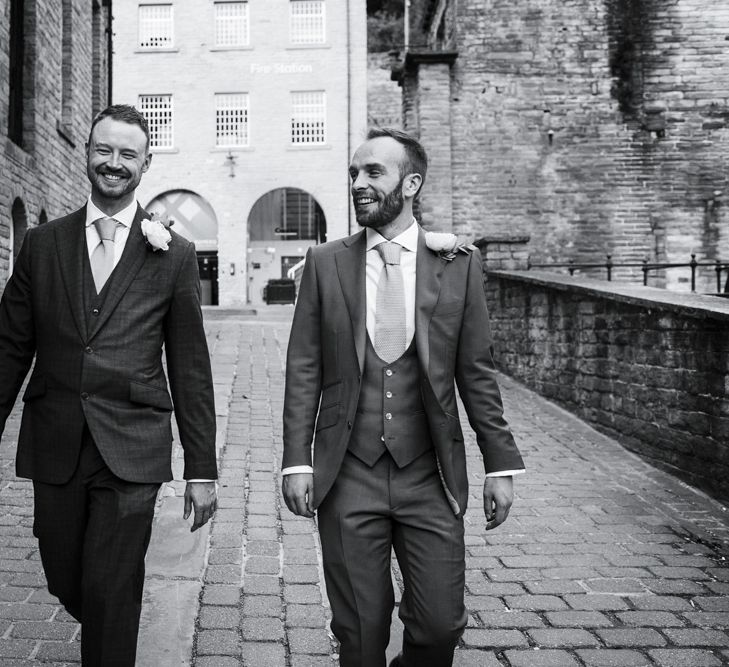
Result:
[{"x": 279, "y": 290}]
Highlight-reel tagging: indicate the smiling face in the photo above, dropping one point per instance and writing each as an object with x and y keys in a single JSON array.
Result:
[
  {"x": 381, "y": 193},
  {"x": 116, "y": 158}
]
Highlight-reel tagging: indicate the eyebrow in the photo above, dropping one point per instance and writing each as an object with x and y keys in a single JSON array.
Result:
[{"x": 369, "y": 165}]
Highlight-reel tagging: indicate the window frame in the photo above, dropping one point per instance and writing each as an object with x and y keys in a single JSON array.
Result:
[{"x": 161, "y": 47}]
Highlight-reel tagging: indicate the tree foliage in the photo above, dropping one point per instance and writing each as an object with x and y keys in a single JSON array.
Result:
[{"x": 384, "y": 25}]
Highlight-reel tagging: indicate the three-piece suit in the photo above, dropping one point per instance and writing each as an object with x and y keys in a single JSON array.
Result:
[
  {"x": 95, "y": 434},
  {"x": 389, "y": 458}
]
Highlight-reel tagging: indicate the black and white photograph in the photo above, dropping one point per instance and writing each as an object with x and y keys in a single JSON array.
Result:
[{"x": 364, "y": 333}]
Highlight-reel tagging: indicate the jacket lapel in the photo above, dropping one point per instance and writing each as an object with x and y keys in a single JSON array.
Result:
[
  {"x": 351, "y": 270},
  {"x": 428, "y": 272},
  {"x": 71, "y": 246},
  {"x": 134, "y": 255}
]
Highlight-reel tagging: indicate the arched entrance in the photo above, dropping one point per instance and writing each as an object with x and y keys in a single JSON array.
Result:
[
  {"x": 194, "y": 218},
  {"x": 282, "y": 224},
  {"x": 17, "y": 231}
]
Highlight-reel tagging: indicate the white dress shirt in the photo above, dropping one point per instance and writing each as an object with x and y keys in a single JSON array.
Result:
[{"x": 374, "y": 264}]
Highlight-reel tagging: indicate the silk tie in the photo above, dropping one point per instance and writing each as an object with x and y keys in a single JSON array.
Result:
[
  {"x": 102, "y": 259},
  {"x": 390, "y": 307}
]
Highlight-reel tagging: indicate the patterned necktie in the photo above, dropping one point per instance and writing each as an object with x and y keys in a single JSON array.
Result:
[
  {"x": 102, "y": 259},
  {"x": 390, "y": 307}
]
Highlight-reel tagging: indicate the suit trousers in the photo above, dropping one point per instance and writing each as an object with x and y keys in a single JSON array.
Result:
[
  {"x": 93, "y": 533},
  {"x": 367, "y": 513}
]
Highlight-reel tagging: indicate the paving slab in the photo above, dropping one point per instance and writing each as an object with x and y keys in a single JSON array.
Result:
[{"x": 603, "y": 561}]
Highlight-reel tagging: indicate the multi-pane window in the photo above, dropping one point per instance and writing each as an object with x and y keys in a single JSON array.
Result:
[
  {"x": 231, "y": 24},
  {"x": 308, "y": 117},
  {"x": 307, "y": 21},
  {"x": 157, "y": 109},
  {"x": 231, "y": 120},
  {"x": 155, "y": 27}
]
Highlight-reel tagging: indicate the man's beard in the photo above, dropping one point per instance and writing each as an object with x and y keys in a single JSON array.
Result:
[{"x": 385, "y": 212}]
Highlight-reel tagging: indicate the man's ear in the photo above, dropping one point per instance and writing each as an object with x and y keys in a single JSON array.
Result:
[
  {"x": 147, "y": 162},
  {"x": 411, "y": 184}
]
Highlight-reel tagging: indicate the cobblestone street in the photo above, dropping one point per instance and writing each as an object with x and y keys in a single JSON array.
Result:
[{"x": 604, "y": 561}]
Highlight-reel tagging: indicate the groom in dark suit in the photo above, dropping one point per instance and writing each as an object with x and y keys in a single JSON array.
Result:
[
  {"x": 94, "y": 297},
  {"x": 387, "y": 322}
]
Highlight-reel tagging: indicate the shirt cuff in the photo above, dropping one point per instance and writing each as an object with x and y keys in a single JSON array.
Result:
[
  {"x": 505, "y": 473},
  {"x": 295, "y": 470}
]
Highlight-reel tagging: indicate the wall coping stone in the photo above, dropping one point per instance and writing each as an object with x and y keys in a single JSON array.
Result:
[
  {"x": 501, "y": 238},
  {"x": 691, "y": 305}
]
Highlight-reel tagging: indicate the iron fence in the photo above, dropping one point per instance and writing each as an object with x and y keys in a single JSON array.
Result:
[{"x": 646, "y": 267}]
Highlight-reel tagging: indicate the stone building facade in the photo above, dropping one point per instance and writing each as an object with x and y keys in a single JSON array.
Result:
[
  {"x": 54, "y": 76},
  {"x": 591, "y": 127},
  {"x": 256, "y": 108}
]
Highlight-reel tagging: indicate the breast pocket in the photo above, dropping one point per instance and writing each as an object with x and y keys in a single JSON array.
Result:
[{"x": 448, "y": 308}]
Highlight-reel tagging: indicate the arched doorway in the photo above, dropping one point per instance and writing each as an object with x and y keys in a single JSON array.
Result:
[
  {"x": 43, "y": 217},
  {"x": 282, "y": 224},
  {"x": 17, "y": 232},
  {"x": 194, "y": 218}
]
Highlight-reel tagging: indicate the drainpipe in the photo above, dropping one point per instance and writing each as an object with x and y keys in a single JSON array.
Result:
[{"x": 349, "y": 112}]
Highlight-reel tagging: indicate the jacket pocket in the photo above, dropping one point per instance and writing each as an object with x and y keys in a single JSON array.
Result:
[
  {"x": 448, "y": 308},
  {"x": 329, "y": 406},
  {"x": 36, "y": 388},
  {"x": 149, "y": 394}
]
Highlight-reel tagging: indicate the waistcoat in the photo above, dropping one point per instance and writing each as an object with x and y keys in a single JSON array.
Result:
[{"x": 390, "y": 412}]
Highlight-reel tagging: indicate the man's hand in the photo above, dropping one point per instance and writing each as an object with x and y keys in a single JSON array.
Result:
[
  {"x": 204, "y": 499},
  {"x": 498, "y": 494},
  {"x": 298, "y": 492}
]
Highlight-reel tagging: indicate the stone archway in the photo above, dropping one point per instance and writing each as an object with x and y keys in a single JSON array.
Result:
[
  {"x": 282, "y": 224},
  {"x": 17, "y": 231},
  {"x": 193, "y": 217}
]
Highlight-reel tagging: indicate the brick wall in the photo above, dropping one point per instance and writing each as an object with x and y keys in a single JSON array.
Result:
[
  {"x": 594, "y": 128},
  {"x": 384, "y": 102},
  {"x": 645, "y": 366},
  {"x": 47, "y": 173}
]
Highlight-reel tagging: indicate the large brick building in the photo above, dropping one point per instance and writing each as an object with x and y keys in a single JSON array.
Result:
[
  {"x": 54, "y": 76},
  {"x": 592, "y": 127},
  {"x": 255, "y": 108}
]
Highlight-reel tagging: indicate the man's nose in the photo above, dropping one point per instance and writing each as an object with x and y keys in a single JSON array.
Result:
[
  {"x": 114, "y": 160},
  {"x": 359, "y": 183}
]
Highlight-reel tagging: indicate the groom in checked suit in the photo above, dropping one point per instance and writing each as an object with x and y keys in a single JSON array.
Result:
[
  {"x": 95, "y": 299},
  {"x": 386, "y": 323}
]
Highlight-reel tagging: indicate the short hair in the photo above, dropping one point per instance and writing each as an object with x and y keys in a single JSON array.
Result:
[
  {"x": 124, "y": 113},
  {"x": 416, "y": 159}
]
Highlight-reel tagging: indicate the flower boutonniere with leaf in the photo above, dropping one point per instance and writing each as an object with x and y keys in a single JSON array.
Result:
[
  {"x": 446, "y": 244},
  {"x": 156, "y": 234}
]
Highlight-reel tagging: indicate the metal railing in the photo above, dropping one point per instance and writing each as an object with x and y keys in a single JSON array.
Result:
[{"x": 646, "y": 267}]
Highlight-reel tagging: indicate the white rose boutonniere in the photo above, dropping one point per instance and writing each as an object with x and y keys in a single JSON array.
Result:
[
  {"x": 156, "y": 234},
  {"x": 444, "y": 243}
]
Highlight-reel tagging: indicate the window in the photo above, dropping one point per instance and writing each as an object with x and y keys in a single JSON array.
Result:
[
  {"x": 307, "y": 21},
  {"x": 231, "y": 120},
  {"x": 231, "y": 24},
  {"x": 155, "y": 27},
  {"x": 157, "y": 109},
  {"x": 308, "y": 117},
  {"x": 17, "y": 72}
]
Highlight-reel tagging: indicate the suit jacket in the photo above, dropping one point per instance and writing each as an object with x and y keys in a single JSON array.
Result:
[
  {"x": 105, "y": 369},
  {"x": 326, "y": 357}
]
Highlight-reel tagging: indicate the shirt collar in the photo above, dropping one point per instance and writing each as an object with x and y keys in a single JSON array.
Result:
[
  {"x": 125, "y": 216},
  {"x": 407, "y": 239}
]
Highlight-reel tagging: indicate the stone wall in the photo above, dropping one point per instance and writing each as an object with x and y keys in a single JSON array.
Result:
[
  {"x": 593, "y": 127},
  {"x": 45, "y": 177},
  {"x": 645, "y": 366}
]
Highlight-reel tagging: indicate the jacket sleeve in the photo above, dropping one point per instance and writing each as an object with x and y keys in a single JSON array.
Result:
[
  {"x": 303, "y": 371},
  {"x": 190, "y": 375},
  {"x": 17, "y": 331},
  {"x": 476, "y": 379}
]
